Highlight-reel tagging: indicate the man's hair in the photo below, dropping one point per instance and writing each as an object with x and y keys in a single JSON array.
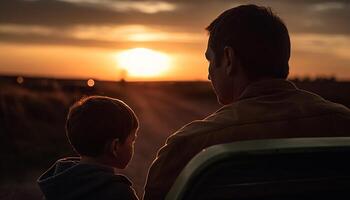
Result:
[
  {"x": 96, "y": 120},
  {"x": 259, "y": 38}
]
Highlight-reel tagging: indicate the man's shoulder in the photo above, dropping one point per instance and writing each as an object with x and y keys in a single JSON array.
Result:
[
  {"x": 290, "y": 106},
  {"x": 321, "y": 104},
  {"x": 222, "y": 118}
]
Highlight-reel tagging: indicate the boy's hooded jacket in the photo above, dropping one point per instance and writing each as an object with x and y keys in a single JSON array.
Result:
[{"x": 68, "y": 179}]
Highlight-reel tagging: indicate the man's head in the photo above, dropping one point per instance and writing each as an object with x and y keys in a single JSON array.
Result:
[
  {"x": 249, "y": 43},
  {"x": 103, "y": 127}
]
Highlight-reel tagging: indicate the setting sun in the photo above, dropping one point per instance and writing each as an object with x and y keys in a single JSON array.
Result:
[{"x": 142, "y": 62}]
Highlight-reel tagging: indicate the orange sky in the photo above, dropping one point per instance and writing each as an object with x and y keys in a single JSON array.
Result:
[{"x": 83, "y": 38}]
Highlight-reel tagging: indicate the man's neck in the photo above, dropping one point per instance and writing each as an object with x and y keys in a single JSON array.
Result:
[{"x": 243, "y": 84}]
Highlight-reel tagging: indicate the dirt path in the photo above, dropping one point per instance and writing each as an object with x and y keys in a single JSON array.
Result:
[{"x": 160, "y": 113}]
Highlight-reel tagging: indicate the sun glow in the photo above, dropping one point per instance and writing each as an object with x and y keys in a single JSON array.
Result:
[{"x": 142, "y": 62}]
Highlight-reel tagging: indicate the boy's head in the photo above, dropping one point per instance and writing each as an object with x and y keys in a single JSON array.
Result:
[{"x": 102, "y": 127}]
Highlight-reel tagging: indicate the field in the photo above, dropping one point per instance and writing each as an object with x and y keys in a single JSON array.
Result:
[{"x": 33, "y": 112}]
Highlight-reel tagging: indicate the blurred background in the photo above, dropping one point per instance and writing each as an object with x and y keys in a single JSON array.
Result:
[{"x": 149, "y": 54}]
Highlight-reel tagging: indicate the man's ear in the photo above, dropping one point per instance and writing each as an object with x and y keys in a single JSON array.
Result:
[
  {"x": 115, "y": 147},
  {"x": 230, "y": 60}
]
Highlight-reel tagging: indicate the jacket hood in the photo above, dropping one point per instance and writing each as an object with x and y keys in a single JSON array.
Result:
[{"x": 70, "y": 179}]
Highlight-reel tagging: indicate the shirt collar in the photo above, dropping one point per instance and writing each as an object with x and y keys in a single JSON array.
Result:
[{"x": 266, "y": 87}]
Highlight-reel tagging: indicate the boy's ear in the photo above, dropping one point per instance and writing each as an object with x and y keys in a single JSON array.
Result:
[
  {"x": 115, "y": 146},
  {"x": 230, "y": 60}
]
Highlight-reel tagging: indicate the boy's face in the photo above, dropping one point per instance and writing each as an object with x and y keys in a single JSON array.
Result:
[{"x": 126, "y": 150}]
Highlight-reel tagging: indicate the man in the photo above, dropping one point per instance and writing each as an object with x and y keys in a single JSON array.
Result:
[{"x": 248, "y": 53}]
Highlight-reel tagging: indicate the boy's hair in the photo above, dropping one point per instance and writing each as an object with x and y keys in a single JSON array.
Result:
[
  {"x": 93, "y": 121},
  {"x": 259, "y": 38}
]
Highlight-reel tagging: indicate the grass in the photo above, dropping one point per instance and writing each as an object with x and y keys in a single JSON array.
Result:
[{"x": 32, "y": 118}]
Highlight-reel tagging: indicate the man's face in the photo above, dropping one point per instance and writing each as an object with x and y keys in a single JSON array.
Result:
[{"x": 219, "y": 77}]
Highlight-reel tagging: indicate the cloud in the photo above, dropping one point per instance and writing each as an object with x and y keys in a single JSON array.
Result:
[
  {"x": 301, "y": 16},
  {"x": 150, "y": 7},
  {"x": 328, "y": 6},
  {"x": 337, "y": 46},
  {"x": 121, "y": 33},
  {"x": 172, "y": 20},
  {"x": 133, "y": 33},
  {"x": 55, "y": 13},
  {"x": 180, "y": 14},
  {"x": 23, "y": 29},
  {"x": 62, "y": 40}
]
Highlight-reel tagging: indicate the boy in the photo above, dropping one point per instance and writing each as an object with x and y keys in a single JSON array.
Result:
[{"x": 102, "y": 131}]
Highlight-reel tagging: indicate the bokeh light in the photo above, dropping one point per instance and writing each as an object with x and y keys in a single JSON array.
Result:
[
  {"x": 90, "y": 82},
  {"x": 20, "y": 80}
]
